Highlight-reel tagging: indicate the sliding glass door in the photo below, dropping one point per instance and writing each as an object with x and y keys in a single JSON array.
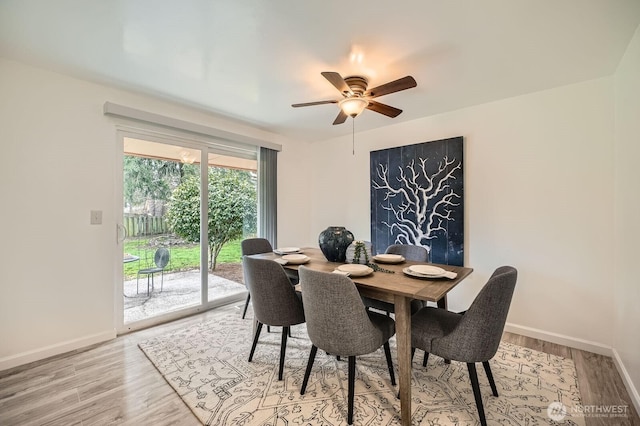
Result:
[
  {"x": 178, "y": 256},
  {"x": 232, "y": 216}
]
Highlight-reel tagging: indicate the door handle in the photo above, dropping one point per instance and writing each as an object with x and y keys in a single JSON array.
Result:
[{"x": 121, "y": 233}]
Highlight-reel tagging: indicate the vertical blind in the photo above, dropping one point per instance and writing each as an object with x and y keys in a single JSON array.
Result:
[{"x": 268, "y": 194}]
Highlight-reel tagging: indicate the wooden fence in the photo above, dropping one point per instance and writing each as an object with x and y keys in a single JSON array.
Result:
[{"x": 139, "y": 225}]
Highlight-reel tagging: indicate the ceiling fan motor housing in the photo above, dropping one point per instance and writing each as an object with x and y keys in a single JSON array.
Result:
[{"x": 358, "y": 84}]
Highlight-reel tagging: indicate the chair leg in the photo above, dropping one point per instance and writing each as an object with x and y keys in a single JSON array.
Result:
[
  {"x": 255, "y": 340},
  {"x": 387, "y": 354},
  {"x": 283, "y": 349},
  {"x": 137, "y": 282},
  {"x": 246, "y": 305},
  {"x": 425, "y": 359},
  {"x": 487, "y": 370},
  {"x": 352, "y": 388},
  {"x": 161, "y": 280},
  {"x": 473, "y": 375},
  {"x": 413, "y": 352},
  {"x": 307, "y": 373}
]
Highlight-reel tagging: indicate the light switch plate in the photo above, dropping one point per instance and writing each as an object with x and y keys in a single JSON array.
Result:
[{"x": 96, "y": 217}]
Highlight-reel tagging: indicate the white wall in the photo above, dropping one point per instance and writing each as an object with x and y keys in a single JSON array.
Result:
[
  {"x": 627, "y": 215},
  {"x": 59, "y": 151},
  {"x": 538, "y": 196}
]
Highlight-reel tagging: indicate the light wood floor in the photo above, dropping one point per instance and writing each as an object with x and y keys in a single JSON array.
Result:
[{"x": 114, "y": 383}]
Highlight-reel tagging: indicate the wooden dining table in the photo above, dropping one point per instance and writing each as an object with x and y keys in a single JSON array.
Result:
[{"x": 398, "y": 288}]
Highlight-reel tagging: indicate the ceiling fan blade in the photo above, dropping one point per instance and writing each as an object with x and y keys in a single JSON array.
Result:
[
  {"x": 387, "y": 110},
  {"x": 341, "y": 118},
  {"x": 314, "y": 103},
  {"x": 403, "y": 83},
  {"x": 337, "y": 80}
]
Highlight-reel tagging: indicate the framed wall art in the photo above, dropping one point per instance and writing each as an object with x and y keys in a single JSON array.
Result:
[{"x": 417, "y": 197}]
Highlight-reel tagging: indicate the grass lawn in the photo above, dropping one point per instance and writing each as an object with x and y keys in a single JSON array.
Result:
[{"x": 183, "y": 257}]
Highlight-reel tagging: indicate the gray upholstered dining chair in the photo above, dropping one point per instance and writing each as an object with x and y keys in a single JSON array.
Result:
[
  {"x": 472, "y": 336},
  {"x": 275, "y": 301},
  {"x": 338, "y": 323},
  {"x": 248, "y": 247},
  {"x": 409, "y": 252}
]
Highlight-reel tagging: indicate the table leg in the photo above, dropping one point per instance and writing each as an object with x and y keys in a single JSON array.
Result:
[
  {"x": 403, "y": 340},
  {"x": 442, "y": 303}
]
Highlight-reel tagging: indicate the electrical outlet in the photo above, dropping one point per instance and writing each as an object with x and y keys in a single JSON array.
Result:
[{"x": 96, "y": 217}]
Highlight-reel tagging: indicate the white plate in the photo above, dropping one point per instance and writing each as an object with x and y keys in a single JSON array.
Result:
[
  {"x": 427, "y": 270},
  {"x": 411, "y": 273},
  {"x": 355, "y": 270},
  {"x": 388, "y": 258},
  {"x": 287, "y": 250},
  {"x": 296, "y": 259}
]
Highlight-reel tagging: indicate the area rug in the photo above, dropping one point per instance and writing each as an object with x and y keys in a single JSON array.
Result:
[{"x": 207, "y": 366}]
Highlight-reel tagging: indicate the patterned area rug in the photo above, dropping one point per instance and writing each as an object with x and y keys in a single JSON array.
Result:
[{"x": 207, "y": 366}]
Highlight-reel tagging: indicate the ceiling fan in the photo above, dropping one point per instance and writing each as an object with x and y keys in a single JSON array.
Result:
[{"x": 356, "y": 97}]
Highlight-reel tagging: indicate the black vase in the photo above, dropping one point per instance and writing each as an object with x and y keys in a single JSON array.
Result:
[{"x": 333, "y": 243}]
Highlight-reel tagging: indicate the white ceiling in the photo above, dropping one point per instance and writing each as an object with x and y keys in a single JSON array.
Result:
[{"x": 251, "y": 59}]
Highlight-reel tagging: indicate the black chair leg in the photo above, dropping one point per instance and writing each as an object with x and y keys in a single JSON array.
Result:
[
  {"x": 425, "y": 359},
  {"x": 473, "y": 375},
  {"x": 246, "y": 305},
  {"x": 387, "y": 354},
  {"x": 255, "y": 340},
  {"x": 307, "y": 373},
  {"x": 283, "y": 348},
  {"x": 352, "y": 388},
  {"x": 487, "y": 370},
  {"x": 413, "y": 352}
]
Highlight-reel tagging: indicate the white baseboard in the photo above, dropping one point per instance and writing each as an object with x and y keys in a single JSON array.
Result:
[
  {"x": 626, "y": 379},
  {"x": 560, "y": 339},
  {"x": 59, "y": 348}
]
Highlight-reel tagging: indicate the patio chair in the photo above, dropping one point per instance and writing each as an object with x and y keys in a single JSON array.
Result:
[{"x": 160, "y": 259}]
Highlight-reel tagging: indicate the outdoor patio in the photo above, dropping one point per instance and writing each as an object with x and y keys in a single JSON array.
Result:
[{"x": 180, "y": 290}]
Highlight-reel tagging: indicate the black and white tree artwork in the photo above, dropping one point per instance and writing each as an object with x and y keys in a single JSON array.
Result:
[{"x": 417, "y": 198}]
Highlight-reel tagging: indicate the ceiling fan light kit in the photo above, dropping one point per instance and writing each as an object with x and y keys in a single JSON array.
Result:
[
  {"x": 356, "y": 97},
  {"x": 353, "y": 106}
]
